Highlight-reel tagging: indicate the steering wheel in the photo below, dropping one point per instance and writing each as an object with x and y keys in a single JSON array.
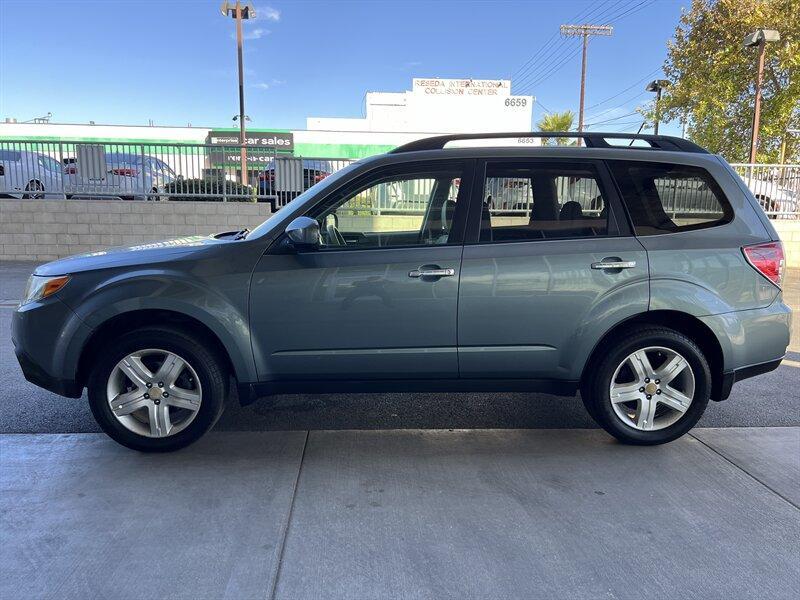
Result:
[{"x": 334, "y": 237}]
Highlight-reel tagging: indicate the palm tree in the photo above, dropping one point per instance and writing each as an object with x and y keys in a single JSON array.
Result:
[{"x": 562, "y": 121}]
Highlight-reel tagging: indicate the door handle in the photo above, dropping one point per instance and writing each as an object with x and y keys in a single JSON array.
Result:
[
  {"x": 422, "y": 272},
  {"x": 614, "y": 264}
]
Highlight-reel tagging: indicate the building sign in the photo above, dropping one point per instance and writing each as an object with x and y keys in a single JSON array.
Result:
[
  {"x": 261, "y": 145},
  {"x": 462, "y": 87}
]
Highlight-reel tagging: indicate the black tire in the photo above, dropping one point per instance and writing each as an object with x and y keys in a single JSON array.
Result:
[
  {"x": 596, "y": 396},
  {"x": 209, "y": 368},
  {"x": 34, "y": 191}
]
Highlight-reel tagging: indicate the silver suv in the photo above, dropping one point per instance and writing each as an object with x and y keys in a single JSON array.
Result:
[{"x": 645, "y": 276}]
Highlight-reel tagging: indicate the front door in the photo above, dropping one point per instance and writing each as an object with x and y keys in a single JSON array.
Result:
[
  {"x": 378, "y": 298},
  {"x": 548, "y": 265}
]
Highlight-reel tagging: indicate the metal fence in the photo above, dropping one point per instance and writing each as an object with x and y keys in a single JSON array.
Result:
[
  {"x": 777, "y": 187},
  {"x": 169, "y": 171},
  {"x": 156, "y": 171}
]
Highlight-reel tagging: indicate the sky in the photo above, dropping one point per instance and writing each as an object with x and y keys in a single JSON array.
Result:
[{"x": 174, "y": 61}]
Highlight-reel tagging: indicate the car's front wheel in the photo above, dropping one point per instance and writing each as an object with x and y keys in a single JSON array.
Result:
[
  {"x": 650, "y": 387},
  {"x": 157, "y": 389}
]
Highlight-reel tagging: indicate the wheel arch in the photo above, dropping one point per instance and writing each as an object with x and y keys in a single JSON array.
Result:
[
  {"x": 132, "y": 320},
  {"x": 689, "y": 325}
]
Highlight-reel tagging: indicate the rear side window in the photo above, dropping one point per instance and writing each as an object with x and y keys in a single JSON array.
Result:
[
  {"x": 664, "y": 198},
  {"x": 536, "y": 201}
]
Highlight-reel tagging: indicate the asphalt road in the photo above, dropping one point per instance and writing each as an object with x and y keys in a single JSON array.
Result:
[{"x": 768, "y": 400}]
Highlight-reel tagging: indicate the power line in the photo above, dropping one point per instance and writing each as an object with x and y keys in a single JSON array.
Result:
[
  {"x": 529, "y": 72},
  {"x": 554, "y": 61},
  {"x": 617, "y": 107},
  {"x": 612, "y": 120},
  {"x": 544, "y": 46},
  {"x": 646, "y": 77}
]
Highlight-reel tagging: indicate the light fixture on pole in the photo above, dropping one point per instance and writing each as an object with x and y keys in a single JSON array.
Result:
[
  {"x": 240, "y": 12},
  {"x": 656, "y": 86},
  {"x": 758, "y": 39}
]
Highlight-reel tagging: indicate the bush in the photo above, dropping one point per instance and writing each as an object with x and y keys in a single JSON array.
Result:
[{"x": 209, "y": 190}]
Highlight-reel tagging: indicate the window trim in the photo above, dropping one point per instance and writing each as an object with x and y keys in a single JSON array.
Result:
[
  {"x": 617, "y": 226},
  {"x": 467, "y": 166}
]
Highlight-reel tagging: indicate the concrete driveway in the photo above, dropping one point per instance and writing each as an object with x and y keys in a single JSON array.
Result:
[{"x": 403, "y": 514}]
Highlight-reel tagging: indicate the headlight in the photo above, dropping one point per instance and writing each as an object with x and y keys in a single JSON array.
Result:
[{"x": 39, "y": 288}]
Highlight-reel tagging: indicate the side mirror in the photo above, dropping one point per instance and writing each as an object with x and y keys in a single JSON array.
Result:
[{"x": 303, "y": 231}]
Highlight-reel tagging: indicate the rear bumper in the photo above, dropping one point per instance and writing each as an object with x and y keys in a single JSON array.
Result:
[{"x": 731, "y": 377}]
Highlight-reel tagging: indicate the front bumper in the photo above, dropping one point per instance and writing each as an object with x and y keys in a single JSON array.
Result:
[
  {"x": 48, "y": 337},
  {"x": 37, "y": 376}
]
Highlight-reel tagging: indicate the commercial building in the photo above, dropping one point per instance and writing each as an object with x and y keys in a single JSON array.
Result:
[{"x": 432, "y": 106}]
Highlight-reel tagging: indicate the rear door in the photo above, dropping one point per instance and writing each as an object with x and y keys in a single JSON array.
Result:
[
  {"x": 550, "y": 264},
  {"x": 378, "y": 300}
]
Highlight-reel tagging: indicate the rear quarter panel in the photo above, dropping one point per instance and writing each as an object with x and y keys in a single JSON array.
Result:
[{"x": 704, "y": 272}]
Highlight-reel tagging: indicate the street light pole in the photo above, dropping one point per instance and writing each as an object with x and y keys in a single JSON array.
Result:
[
  {"x": 759, "y": 39},
  {"x": 239, "y": 13},
  {"x": 656, "y": 86}
]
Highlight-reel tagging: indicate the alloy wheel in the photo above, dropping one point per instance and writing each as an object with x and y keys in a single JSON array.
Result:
[
  {"x": 154, "y": 393},
  {"x": 652, "y": 388},
  {"x": 34, "y": 191}
]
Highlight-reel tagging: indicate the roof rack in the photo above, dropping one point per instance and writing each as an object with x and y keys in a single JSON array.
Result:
[{"x": 591, "y": 139}]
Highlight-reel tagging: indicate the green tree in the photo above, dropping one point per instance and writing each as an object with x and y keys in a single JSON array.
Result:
[
  {"x": 713, "y": 76},
  {"x": 556, "y": 121}
]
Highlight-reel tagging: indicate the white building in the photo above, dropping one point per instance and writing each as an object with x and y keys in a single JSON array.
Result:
[
  {"x": 431, "y": 107},
  {"x": 441, "y": 106}
]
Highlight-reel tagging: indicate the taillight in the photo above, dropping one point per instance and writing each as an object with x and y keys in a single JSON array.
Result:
[
  {"x": 125, "y": 172},
  {"x": 767, "y": 259},
  {"x": 70, "y": 170}
]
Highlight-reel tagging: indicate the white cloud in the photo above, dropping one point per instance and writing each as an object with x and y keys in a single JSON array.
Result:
[
  {"x": 268, "y": 13},
  {"x": 261, "y": 85},
  {"x": 253, "y": 34}
]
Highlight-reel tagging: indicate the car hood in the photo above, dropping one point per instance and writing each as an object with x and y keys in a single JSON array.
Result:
[{"x": 142, "y": 254}]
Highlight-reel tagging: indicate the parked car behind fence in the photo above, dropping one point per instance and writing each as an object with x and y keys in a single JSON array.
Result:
[{"x": 154, "y": 171}]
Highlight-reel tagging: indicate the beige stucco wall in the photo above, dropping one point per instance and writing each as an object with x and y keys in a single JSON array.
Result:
[{"x": 48, "y": 229}]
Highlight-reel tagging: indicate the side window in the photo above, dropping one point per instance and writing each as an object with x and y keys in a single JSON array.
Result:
[
  {"x": 393, "y": 210},
  {"x": 535, "y": 201},
  {"x": 664, "y": 198}
]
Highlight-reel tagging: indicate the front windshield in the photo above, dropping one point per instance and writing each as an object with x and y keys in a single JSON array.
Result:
[{"x": 318, "y": 188}]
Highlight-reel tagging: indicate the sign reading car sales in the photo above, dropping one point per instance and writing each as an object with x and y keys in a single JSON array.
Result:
[{"x": 271, "y": 141}]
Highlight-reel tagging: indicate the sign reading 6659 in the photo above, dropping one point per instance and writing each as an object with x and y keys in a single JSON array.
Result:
[{"x": 516, "y": 102}]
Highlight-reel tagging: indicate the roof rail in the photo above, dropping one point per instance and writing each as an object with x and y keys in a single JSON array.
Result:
[{"x": 591, "y": 139}]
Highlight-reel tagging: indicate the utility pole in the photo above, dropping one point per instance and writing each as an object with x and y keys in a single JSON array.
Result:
[
  {"x": 584, "y": 31},
  {"x": 759, "y": 39},
  {"x": 239, "y": 13}
]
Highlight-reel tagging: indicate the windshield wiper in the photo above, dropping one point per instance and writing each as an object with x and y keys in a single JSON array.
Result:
[{"x": 240, "y": 235}]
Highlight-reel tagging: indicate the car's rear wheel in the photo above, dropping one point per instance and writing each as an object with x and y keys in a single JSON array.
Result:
[
  {"x": 650, "y": 387},
  {"x": 157, "y": 389},
  {"x": 33, "y": 191}
]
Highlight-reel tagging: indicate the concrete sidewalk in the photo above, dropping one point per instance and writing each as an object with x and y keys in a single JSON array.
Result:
[{"x": 403, "y": 513}]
